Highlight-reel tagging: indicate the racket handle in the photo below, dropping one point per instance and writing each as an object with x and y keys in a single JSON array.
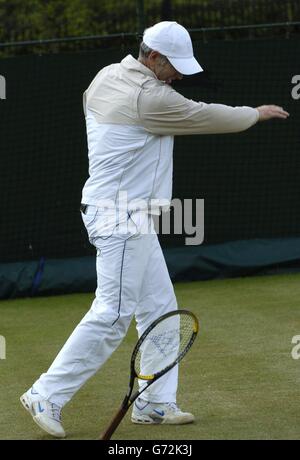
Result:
[{"x": 114, "y": 423}]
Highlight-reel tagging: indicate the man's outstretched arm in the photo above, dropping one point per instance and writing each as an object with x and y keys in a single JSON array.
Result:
[{"x": 164, "y": 111}]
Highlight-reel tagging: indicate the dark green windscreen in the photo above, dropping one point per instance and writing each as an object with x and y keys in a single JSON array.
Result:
[{"x": 249, "y": 181}]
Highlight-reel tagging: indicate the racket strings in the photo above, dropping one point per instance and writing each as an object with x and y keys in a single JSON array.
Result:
[{"x": 164, "y": 344}]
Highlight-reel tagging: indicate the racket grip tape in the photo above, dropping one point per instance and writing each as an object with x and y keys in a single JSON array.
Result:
[{"x": 114, "y": 423}]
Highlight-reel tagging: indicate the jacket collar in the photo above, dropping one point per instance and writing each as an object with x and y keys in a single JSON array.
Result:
[{"x": 130, "y": 63}]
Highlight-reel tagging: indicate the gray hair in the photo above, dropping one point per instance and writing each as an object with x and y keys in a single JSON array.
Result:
[{"x": 145, "y": 52}]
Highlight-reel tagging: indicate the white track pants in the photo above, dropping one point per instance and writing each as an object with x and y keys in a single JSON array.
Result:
[{"x": 132, "y": 279}]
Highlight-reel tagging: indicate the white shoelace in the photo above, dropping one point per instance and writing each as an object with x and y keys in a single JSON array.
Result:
[
  {"x": 173, "y": 407},
  {"x": 56, "y": 412}
]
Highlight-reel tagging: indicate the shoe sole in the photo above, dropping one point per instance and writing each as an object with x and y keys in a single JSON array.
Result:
[
  {"x": 27, "y": 405},
  {"x": 147, "y": 420}
]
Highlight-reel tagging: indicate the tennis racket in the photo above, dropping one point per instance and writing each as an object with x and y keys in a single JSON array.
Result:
[{"x": 163, "y": 344}]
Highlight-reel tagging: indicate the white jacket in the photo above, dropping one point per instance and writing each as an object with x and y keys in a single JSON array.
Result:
[{"x": 131, "y": 120}]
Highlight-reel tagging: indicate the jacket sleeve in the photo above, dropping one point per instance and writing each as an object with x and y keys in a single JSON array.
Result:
[{"x": 162, "y": 110}]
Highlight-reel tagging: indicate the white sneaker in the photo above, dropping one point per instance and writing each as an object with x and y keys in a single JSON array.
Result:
[
  {"x": 46, "y": 414},
  {"x": 155, "y": 413}
]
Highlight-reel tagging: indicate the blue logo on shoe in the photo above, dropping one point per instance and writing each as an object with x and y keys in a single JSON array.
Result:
[
  {"x": 40, "y": 408},
  {"x": 159, "y": 412},
  {"x": 33, "y": 392}
]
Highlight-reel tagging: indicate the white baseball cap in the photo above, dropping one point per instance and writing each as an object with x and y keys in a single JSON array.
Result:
[{"x": 173, "y": 41}]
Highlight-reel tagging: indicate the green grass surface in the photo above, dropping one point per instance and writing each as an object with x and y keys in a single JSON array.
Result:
[{"x": 239, "y": 379}]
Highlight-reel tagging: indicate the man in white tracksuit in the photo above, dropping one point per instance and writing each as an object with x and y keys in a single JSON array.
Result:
[{"x": 132, "y": 115}]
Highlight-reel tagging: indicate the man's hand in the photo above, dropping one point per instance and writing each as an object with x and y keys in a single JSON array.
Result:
[{"x": 266, "y": 112}]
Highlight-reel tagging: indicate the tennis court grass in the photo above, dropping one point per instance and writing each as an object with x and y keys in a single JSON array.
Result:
[{"x": 239, "y": 379}]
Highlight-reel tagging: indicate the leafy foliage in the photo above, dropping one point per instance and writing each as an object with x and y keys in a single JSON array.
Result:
[{"x": 43, "y": 19}]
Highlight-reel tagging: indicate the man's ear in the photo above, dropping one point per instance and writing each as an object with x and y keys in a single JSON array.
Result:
[{"x": 153, "y": 55}]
